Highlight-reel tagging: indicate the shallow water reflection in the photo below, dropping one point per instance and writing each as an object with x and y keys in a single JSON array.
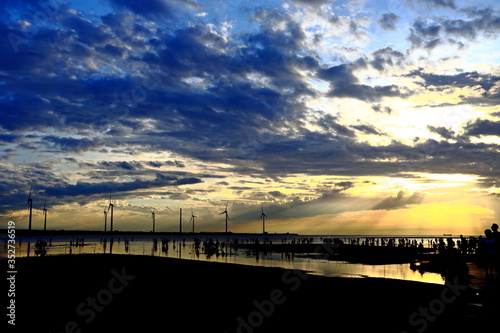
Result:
[{"x": 183, "y": 247}]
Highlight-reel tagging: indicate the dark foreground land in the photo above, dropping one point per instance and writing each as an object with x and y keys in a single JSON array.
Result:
[{"x": 120, "y": 293}]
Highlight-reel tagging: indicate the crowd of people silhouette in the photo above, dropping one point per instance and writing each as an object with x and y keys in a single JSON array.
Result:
[{"x": 489, "y": 250}]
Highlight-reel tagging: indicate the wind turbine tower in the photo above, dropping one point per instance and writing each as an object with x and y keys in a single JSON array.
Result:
[
  {"x": 153, "y": 214},
  {"x": 192, "y": 218},
  {"x": 263, "y": 217},
  {"x": 180, "y": 221},
  {"x": 30, "y": 204},
  {"x": 227, "y": 216},
  {"x": 111, "y": 208},
  {"x": 45, "y": 215},
  {"x": 105, "y": 219}
]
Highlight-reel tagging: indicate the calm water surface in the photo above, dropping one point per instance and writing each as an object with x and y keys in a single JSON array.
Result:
[{"x": 182, "y": 247}]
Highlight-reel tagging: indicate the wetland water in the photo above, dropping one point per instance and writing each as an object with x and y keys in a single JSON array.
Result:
[{"x": 183, "y": 247}]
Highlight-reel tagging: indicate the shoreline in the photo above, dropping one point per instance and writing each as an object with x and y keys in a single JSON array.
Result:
[
  {"x": 210, "y": 296},
  {"x": 63, "y": 232}
]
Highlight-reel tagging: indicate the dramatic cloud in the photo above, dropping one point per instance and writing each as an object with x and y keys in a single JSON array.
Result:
[
  {"x": 428, "y": 32},
  {"x": 483, "y": 127},
  {"x": 298, "y": 103}
]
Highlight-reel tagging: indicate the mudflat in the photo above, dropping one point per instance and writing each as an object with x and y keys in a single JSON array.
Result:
[{"x": 127, "y": 293}]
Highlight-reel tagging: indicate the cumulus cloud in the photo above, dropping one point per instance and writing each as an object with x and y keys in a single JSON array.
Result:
[
  {"x": 428, "y": 32},
  {"x": 442, "y": 131},
  {"x": 482, "y": 127},
  {"x": 343, "y": 83},
  {"x": 388, "y": 21}
]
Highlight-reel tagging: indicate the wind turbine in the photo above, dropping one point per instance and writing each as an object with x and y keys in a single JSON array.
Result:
[
  {"x": 180, "y": 221},
  {"x": 45, "y": 215},
  {"x": 105, "y": 219},
  {"x": 153, "y": 214},
  {"x": 30, "y": 204},
  {"x": 263, "y": 217},
  {"x": 192, "y": 218},
  {"x": 111, "y": 207},
  {"x": 227, "y": 217}
]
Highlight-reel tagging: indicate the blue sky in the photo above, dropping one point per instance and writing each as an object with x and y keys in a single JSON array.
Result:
[{"x": 339, "y": 116}]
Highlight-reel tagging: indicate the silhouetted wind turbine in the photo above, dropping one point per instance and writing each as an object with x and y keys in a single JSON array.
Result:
[
  {"x": 263, "y": 217},
  {"x": 105, "y": 219},
  {"x": 111, "y": 207},
  {"x": 45, "y": 215},
  {"x": 227, "y": 216},
  {"x": 153, "y": 214},
  {"x": 180, "y": 221},
  {"x": 30, "y": 204},
  {"x": 192, "y": 218}
]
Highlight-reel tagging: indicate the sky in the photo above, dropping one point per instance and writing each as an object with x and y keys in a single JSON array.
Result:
[{"x": 339, "y": 117}]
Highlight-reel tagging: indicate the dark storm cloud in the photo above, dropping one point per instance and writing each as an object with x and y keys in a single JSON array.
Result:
[
  {"x": 443, "y": 131},
  {"x": 488, "y": 82},
  {"x": 482, "y": 127},
  {"x": 83, "y": 188},
  {"x": 388, "y": 21},
  {"x": 103, "y": 178},
  {"x": 325, "y": 154},
  {"x": 343, "y": 83}
]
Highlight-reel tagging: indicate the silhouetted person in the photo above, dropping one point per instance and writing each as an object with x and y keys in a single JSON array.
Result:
[
  {"x": 489, "y": 251},
  {"x": 496, "y": 236}
]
